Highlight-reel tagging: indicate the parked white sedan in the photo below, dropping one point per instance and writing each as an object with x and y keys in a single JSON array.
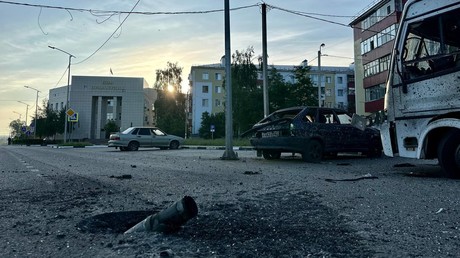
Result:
[{"x": 134, "y": 137}]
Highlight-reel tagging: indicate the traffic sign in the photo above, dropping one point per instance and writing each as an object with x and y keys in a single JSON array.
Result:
[
  {"x": 73, "y": 118},
  {"x": 70, "y": 112}
]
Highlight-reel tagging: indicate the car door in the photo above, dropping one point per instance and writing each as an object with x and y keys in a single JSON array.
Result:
[
  {"x": 159, "y": 138},
  {"x": 144, "y": 137},
  {"x": 329, "y": 130},
  {"x": 351, "y": 138}
]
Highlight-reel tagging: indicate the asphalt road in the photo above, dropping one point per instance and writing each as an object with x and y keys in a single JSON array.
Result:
[{"x": 350, "y": 206}]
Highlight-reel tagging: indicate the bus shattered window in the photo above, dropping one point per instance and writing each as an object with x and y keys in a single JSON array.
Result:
[{"x": 432, "y": 46}]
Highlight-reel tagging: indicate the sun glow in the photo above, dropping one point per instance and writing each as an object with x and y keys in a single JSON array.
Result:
[{"x": 170, "y": 88}]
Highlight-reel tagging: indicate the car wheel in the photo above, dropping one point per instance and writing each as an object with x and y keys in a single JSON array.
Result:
[
  {"x": 174, "y": 145},
  {"x": 449, "y": 154},
  {"x": 271, "y": 154},
  {"x": 313, "y": 152},
  {"x": 133, "y": 146}
]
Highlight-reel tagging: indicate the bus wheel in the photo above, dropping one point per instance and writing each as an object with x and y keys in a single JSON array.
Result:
[{"x": 449, "y": 154}]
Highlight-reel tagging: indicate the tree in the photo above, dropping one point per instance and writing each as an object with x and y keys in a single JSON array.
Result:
[
  {"x": 110, "y": 127},
  {"x": 49, "y": 122},
  {"x": 16, "y": 126},
  {"x": 303, "y": 92},
  {"x": 286, "y": 94},
  {"x": 247, "y": 95},
  {"x": 278, "y": 90},
  {"x": 170, "y": 105},
  {"x": 169, "y": 79},
  {"x": 218, "y": 120}
]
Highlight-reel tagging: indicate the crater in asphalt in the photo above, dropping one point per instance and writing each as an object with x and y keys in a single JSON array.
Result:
[{"x": 113, "y": 222}]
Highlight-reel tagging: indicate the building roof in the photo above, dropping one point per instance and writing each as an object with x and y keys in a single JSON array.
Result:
[
  {"x": 364, "y": 13},
  {"x": 280, "y": 68}
]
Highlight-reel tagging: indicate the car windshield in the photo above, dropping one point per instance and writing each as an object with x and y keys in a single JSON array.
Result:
[{"x": 291, "y": 113}]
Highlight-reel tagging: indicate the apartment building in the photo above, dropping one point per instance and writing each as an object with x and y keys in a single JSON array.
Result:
[
  {"x": 337, "y": 83},
  {"x": 206, "y": 84},
  {"x": 374, "y": 31}
]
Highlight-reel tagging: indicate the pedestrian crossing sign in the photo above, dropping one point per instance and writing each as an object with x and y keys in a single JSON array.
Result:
[{"x": 73, "y": 118}]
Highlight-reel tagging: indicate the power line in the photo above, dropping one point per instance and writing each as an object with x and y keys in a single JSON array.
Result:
[
  {"x": 105, "y": 42},
  {"x": 105, "y": 12},
  {"x": 311, "y": 16},
  {"x": 308, "y": 16},
  {"x": 62, "y": 76},
  {"x": 112, "y": 13}
]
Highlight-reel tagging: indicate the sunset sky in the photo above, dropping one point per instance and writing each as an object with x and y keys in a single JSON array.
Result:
[{"x": 147, "y": 39}]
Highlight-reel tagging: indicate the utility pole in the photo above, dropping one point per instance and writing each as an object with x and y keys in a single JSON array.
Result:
[
  {"x": 36, "y": 108},
  {"x": 229, "y": 154},
  {"x": 27, "y": 110},
  {"x": 319, "y": 74},
  {"x": 264, "y": 59},
  {"x": 68, "y": 89}
]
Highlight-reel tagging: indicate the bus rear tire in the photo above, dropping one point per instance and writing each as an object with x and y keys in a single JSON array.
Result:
[{"x": 449, "y": 154}]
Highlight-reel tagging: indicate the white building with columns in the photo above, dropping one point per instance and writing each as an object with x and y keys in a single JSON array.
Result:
[{"x": 128, "y": 101}]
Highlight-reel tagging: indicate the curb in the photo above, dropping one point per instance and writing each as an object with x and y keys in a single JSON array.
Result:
[
  {"x": 240, "y": 148},
  {"x": 217, "y": 148}
]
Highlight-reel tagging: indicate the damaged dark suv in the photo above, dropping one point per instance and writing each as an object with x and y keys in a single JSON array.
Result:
[{"x": 313, "y": 132}]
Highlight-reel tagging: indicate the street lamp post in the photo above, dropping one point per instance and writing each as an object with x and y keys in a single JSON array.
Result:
[
  {"x": 36, "y": 108},
  {"x": 20, "y": 115},
  {"x": 319, "y": 74},
  {"x": 27, "y": 109},
  {"x": 68, "y": 88}
]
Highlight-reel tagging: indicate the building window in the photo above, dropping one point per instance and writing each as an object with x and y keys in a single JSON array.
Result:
[
  {"x": 328, "y": 92},
  {"x": 340, "y": 80},
  {"x": 62, "y": 105},
  {"x": 205, "y": 76},
  {"x": 340, "y": 105},
  {"x": 205, "y": 102},
  {"x": 218, "y": 89},
  {"x": 109, "y": 116},
  {"x": 51, "y": 106},
  {"x": 328, "y": 79},
  {"x": 378, "y": 15},
  {"x": 217, "y": 103},
  {"x": 375, "y": 93},
  {"x": 377, "y": 66},
  {"x": 109, "y": 103},
  {"x": 340, "y": 92},
  {"x": 205, "y": 89},
  {"x": 314, "y": 79},
  {"x": 384, "y": 63},
  {"x": 218, "y": 76},
  {"x": 379, "y": 39}
]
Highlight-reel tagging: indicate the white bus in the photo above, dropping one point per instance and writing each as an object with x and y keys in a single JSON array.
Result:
[{"x": 422, "y": 101}]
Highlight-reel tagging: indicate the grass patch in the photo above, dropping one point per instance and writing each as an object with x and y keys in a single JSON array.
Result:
[
  {"x": 76, "y": 144},
  {"x": 216, "y": 142}
]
